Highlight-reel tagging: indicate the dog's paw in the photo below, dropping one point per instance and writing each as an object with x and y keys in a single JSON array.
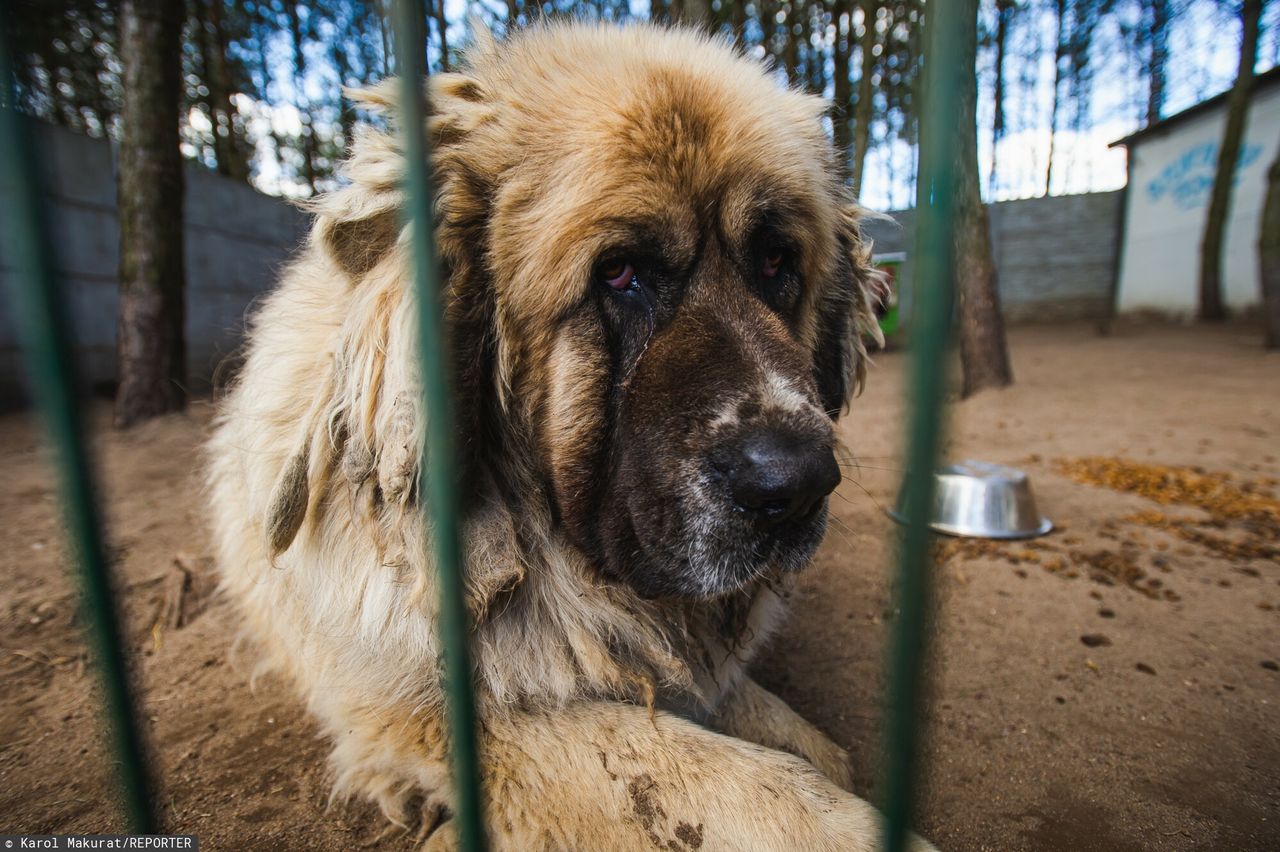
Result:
[
  {"x": 435, "y": 827},
  {"x": 443, "y": 838}
]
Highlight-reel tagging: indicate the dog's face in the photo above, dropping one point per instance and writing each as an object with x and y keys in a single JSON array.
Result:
[
  {"x": 710, "y": 457},
  {"x": 672, "y": 285},
  {"x": 688, "y": 443}
]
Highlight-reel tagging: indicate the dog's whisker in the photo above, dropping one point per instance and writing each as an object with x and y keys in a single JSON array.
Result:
[
  {"x": 850, "y": 536},
  {"x": 863, "y": 489},
  {"x": 849, "y": 466},
  {"x": 846, "y": 451}
]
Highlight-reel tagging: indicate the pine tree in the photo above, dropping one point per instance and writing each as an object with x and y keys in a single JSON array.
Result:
[
  {"x": 151, "y": 357},
  {"x": 984, "y": 353}
]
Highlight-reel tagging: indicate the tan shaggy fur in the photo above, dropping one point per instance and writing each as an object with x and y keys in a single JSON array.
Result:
[{"x": 608, "y": 720}]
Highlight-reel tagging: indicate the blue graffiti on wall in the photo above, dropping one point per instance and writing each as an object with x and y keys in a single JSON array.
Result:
[{"x": 1187, "y": 179}]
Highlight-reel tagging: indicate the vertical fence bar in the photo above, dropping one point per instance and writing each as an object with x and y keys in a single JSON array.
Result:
[
  {"x": 46, "y": 341},
  {"x": 930, "y": 331},
  {"x": 437, "y": 472}
]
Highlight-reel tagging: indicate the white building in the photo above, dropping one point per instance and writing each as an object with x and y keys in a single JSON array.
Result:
[{"x": 1171, "y": 169}]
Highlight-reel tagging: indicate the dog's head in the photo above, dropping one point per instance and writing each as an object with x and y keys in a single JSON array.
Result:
[{"x": 657, "y": 289}]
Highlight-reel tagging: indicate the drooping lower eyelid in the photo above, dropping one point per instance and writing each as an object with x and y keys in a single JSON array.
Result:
[{"x": 620, "y": 278}]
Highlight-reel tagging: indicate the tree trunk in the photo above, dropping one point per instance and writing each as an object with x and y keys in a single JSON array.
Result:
[
  {"x": 815, "y": 59},
  {"x": 442, "y": 26},
  {"x": 842, "y": 14},
  {"x": 863, "y": 109},
  {"x": 738, "y": 16},
  {"x": 984, "y": 354},
  {"x": 151, "y": 357},
  {"x": 1158, "y": 22},
  {"x": 304, "y": 111},
  {"x": 1059, "y": 51},
  {"x": 346, "y": 114},
  {"x": 1004, "y": 10},
  {"x": 228, "y": 154},
  {"x": 1215, "y": 223},
  {"x": 790, "y": 43},
  {"x": 384, "y": 33},
  {"x": 769, "y": 26},
  {"x": 695, "y": 13},
  {"x": 1269, "y": 256}
]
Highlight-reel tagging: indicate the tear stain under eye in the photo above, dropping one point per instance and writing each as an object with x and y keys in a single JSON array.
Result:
[{"x": 635, "y": 363}]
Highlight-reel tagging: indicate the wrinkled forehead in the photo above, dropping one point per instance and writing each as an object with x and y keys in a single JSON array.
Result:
[{"x": 662, "y": 161}]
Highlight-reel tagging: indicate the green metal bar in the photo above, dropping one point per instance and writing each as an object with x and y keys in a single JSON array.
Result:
[
  {"x": 930, "y": 331},
  {"x": 42, "y": 323},
  {"x": 438, "y": 472}
]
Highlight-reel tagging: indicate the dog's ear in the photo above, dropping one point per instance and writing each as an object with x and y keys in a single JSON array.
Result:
[
  {"x": 361, "y": 423},
  {"x": 360, "y": 230},
  {"x": 358, "y": 224},
  {"x": 847, "y": 316}
]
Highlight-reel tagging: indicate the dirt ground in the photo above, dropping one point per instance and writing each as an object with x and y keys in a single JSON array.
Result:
[{"x": 1114, "y": 686}]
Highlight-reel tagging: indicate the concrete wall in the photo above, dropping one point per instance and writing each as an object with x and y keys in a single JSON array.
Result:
[
  {"x": 1055, "y": 256},
  {"x": 236, "y": 240},
  {"x": 1170, "y": 178}
]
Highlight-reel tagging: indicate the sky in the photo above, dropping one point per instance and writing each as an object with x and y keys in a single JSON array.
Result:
[{"x": 1204, "y": 51}]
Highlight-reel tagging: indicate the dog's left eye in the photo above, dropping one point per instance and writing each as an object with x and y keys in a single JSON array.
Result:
[
  {"x": 617, "y": 274},
  {"x": 774, "y": 258}
]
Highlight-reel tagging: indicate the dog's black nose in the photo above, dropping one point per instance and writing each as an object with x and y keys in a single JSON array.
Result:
[{"x": 778, "y": 476}]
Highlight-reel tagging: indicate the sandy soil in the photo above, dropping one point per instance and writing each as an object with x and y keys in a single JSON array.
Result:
[{"x": 1160, "y": 733}]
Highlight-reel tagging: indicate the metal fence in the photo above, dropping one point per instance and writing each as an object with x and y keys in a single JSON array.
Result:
[{"x": 40, "y": 309}]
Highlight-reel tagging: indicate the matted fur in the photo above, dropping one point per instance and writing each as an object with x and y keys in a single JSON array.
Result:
[{"x": 609, "y": 719}]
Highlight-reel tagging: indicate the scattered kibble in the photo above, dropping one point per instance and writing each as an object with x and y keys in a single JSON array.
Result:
[
  {"x": 1245, "y": 508},
  {"x": 1095, "y": 640}
]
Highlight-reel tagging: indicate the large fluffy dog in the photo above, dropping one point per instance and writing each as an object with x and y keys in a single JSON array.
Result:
[{"x": 655, "y": 294}]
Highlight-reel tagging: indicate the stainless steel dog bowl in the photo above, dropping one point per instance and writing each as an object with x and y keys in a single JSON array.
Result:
[{"x": 977, "y": 499}]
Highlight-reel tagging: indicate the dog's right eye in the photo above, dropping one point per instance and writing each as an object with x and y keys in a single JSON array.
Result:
[{"x": 617, "y": 274}]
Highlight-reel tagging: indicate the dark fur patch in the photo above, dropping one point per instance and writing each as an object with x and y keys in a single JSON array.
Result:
[
  {"x": 690, "y": 835},
  {"x": 288, "y": 503},
  {"x": 357, "y": 246}
]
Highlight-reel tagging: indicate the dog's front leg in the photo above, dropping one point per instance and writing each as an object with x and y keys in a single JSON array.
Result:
[
  {"x": 604, "y": 776},
  {"x": 751, "y": 712}
]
